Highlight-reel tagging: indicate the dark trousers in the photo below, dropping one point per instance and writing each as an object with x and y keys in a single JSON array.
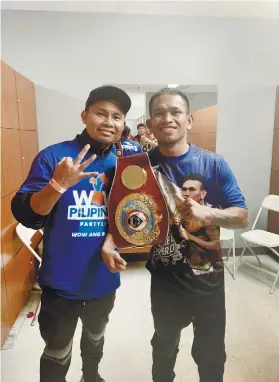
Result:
[
  {"x": 58, "y": 320},
  {"x": 174, "y": 309}
]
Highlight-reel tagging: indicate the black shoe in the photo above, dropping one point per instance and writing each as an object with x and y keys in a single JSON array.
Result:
[{"x": 98, "y": 379}]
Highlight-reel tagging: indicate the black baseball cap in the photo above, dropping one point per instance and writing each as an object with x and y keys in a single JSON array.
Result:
[{"x": 107, "y": 93}]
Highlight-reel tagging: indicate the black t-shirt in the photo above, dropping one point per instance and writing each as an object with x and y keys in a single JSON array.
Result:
[{"x": 193, "y": 264}]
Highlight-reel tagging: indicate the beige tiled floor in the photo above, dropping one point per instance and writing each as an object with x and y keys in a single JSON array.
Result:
[{"x": 252, "y": 335}]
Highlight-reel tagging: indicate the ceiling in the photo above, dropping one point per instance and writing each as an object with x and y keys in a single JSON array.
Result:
[
  {"x": 140, "y": 88},
  {"x": 197, "y": 8}
]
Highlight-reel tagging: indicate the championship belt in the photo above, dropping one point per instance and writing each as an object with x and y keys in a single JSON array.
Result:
[{"x": 137, "y": 211}]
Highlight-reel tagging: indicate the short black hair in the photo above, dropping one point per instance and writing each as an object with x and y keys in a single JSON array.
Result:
[
  {"x": 196, "y": 177},
  {"x": 126, "y": 132},
  {"x": 172, "y": 91},
  {"x": 141, "y": 125}
]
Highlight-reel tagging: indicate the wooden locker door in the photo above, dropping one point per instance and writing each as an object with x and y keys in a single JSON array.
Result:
[
  {"x": 203, "y": 132},
  {"x": 11, "y": 161},
  {"x": 5, "y": 321},
  {"x": 275, "y": 150},
  {"x": 206, "y": 141},
  {"x": 205, "y": 120},
  {"x": 10, "y": 242},
  {"x": 11, "y": 291},
  {"x": 19, "y": 276},
  {"x": 273, "y": 222},
  {"x": 29, "y": 149},
  {"x": 274, "y": 182},
  {"x": 26, "y": 103},
  {"x": 9, "y": 116}
]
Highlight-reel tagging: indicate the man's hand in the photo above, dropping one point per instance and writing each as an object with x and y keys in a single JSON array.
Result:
[
  {"x": 144, "y": 139},
  {"x": 231, "y": 218},
  {"x": 183, "y": 233},
  {"x": 147, "y": 141},
  {"x": 190, "y": 209},
  {"x": 69, "y": 172},
  {"x": 113, "y": 261},
  {"x": 111, "y": 257}
]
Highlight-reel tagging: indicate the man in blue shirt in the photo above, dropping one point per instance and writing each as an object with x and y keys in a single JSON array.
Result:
[
  {"x": 71, "y": 206},
  {"x": 187, "y": 282},
  {"x": 127, "y": 146},
  {"x": 184, "y": 290}
]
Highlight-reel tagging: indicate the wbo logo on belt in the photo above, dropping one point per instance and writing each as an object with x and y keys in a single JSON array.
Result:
[{"x": 137, "y": 211}]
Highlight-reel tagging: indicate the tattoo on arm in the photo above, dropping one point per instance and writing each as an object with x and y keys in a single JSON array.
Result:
[{"x": 233, "y": 217}]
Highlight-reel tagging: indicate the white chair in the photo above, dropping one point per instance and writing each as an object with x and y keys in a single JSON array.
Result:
[
  {"x": 262, "y": 238},
  {"x": 228, "y": 235},
  {"x": 26, "y": 236}
]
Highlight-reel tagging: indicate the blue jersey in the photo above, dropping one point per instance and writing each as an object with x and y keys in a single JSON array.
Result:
[
  {"x": 75, "y": 229},
  {"x": 129, "y": 147},
  {"x": 193, "y": 261}
]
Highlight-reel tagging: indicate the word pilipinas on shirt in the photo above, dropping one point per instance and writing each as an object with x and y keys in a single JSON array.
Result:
[
  {"x": 92, "y": 205},
  {"x": 90, "y": 208}
]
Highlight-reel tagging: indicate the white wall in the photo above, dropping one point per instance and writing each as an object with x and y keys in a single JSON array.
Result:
[
  {"x": 201, "y": 100},
  {"x": 137, "y": 111},
  {"x": 247, "y": 140},
  {"x": 72, "y": 53},
  {"x": 58, "y": 116},
  {"x": 138, "y": 105},
  {"x": 132, "y": 123}
]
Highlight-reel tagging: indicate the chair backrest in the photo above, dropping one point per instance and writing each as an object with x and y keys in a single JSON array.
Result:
[
  {"x": 270, "y": 202},
  {"x": 26, "y": 235}
]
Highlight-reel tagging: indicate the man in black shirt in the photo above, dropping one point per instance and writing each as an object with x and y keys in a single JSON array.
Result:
[{"x": 187, "y": 283}]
